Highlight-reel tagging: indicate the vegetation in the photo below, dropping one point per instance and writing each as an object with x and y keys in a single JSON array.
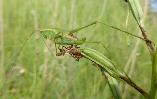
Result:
[{"x": 32, "y": 69}]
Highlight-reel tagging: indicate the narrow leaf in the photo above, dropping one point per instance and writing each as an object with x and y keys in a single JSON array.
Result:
[
  {"x": 136, "y": 10},
  {"x": 113, "y": 84}
]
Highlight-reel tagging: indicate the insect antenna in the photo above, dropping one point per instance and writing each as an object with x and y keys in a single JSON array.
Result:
[
  {"x": 78, "y": 29},
  {"x": 116, "y": 28},
  {"x": 123, "y": 31}
]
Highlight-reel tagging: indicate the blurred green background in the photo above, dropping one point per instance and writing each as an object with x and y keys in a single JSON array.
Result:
[{"x": 34, "y": 72}]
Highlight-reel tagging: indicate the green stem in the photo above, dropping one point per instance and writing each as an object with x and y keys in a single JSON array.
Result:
[
  {"x": 153, "y": 89},
  {"x": 131, "y": 83}
]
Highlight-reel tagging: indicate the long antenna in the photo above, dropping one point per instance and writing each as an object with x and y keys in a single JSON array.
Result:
[
  {"x": 78, "y": 29},
  {"x": 121, "y": 30},
  {"x": 116, "y": 28}
]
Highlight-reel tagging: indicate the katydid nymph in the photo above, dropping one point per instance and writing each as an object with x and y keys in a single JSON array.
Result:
[
  {"x": 62, "y": 40},
  {"x": 64, "y": 37},
  {"x": 69, "y": 37},
  {"x": 51, "y": 34}
]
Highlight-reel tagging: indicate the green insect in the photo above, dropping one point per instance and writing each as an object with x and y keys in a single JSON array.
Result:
[
  {"x": 69, "y": 38},
  {"x": 61, "y": 39},
  {"x": 67, "y": 41},
  {"x": 65, "y": 37}
]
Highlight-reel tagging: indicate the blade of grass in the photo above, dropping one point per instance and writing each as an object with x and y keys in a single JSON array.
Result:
[
  {"x": 101, "y": 60},
  {"x": 113, "y": 84},
  {"x": 109, "y": 67},
  {"x": 137, "y": 13},
  {"x": 136, "y": 10},
  {"x": 153, "y": 88},
  {"x": 138, "y": 16},
  {"x": 132, "y": 59}
]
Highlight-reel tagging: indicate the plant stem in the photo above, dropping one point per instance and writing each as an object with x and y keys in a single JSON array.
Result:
[
  {"x": 153, "y": 89},
  {"x": 148, "y": 42},
  {"x": 131, "y": 83}
]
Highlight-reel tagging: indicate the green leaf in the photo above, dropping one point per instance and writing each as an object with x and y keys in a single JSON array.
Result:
[
  {"x": 101, "y": 60},
  {"x": 136, "y": 10},
  {"x": 113, "y": 84}
]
